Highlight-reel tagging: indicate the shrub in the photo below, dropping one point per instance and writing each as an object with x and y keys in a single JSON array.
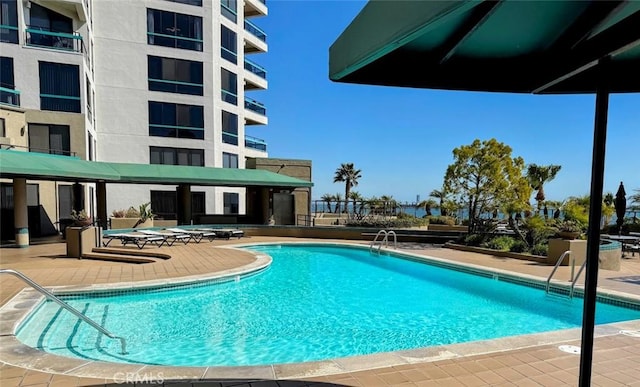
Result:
[
  {"x": 449, "y": 221},
  {"x": 519, "y": 246},
  {"x": 132, "y": 213},
  {"x": 540, "y": 249},
  {"x": 475, "y": 239},
  {"x": 119, "y": 213},
  {"x": 502, "y": 243}
]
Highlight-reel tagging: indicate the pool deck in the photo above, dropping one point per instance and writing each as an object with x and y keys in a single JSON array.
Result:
[{"x": 535, "y": 362}]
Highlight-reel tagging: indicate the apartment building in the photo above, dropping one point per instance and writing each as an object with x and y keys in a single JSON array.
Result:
[{"x": 146, "y": 81}]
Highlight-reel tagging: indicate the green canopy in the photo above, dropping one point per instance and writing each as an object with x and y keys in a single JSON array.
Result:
[{"x": 41, "y": 166}]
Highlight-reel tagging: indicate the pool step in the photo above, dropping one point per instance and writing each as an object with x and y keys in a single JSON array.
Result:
[{"x": 117, "y": 258}]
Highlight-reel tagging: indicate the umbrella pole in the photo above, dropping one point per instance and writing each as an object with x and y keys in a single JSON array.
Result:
[{"x": 593, "y": 233}]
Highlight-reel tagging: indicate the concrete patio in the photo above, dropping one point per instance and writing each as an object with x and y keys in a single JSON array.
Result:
[{"x": 616, "y": 356}]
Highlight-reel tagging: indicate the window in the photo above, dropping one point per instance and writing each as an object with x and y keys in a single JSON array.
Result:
[
  {"x": 229, "y": 9},
  {"x": 52, "y": 139},
  {"x": 189, "y": 2},
  {"x": 231, "y": 203},
  {"x": 8, "y": 92},
  {"x": 165, "y": 204},
  {"x": 229, "y": 160},
  {"x": 3, "y": 131},
  {"x": 65, "y": 200},
  {"x": 175, "y": 75},
  {"x": 51, "y": 29},
  {"x": 176, "y": 156},
  {"x": 229, "y": 83},
  {"x": 175, "y": 120},
  {"x": 6, "y": 195},
  {"x": 59, "y": 87},
  {"x": 229, "y": 128},
  {"x": 172, "y": 29},
  {"x": 9, "y": 21},
  {"x": 88, "y": 97},
  {"x": 228, "y": 45}
]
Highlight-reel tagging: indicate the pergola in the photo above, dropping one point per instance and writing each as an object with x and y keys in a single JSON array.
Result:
[
  {"x": 541, "y": 47},
  {"x": 21, "y": 166}
]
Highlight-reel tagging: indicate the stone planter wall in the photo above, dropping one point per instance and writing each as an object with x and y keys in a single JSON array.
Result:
[{"x": 118, "y": 223}]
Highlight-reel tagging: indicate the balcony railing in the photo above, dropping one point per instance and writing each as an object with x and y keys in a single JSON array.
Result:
[
  {"x": 255, "y": 69},
  {"x": 228, "y": 13},
  {"x": 229, "y": 55},
  {"x": 9, "y": 96},
  {"x": 8, "y": 34},
  {"x": 229, "y": 138},
  {"x": 255, "y": 30},
  {"x": 41, "y": 37},
  {"x": 229, "y": 97},
  {"x": 254, "y": 106},
  {"x": 255, "y": 143}
]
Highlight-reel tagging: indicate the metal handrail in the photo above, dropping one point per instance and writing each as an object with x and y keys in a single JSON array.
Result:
[
  {"x": 573, "y": 283},
  {"x": 64, "y": 305},
  {"x": 395, "y": 239},
  {"x": 373, "y": 242},
  {"x": 556, "y": 268}
]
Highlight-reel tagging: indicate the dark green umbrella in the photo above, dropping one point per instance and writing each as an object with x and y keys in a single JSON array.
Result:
[
  {"x": 621, "y": 206},
  {"x": 552, "y": 47}
]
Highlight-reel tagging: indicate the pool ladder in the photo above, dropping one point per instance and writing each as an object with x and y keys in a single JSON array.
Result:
[
  {"x": 572, "y": 279},
  {"x": 64, "y": 305},
  {"x": 384, "y": 241}
]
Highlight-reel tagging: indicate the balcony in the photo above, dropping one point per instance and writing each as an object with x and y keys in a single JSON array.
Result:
[
  {"x": 9, "y": 97},
  {"x": 40, "y": 37},
  {"x": 255, "y": 76},
  {"x": 253, "y": 8},
  {"x": 255, "y": 113},
  {"x": 255, "y": 143},
  {"x": 255, "y": 40},
  {"x": 77, "y": 8}
]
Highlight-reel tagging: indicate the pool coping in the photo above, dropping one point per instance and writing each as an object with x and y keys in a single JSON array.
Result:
[{"x": 16, "y": 310}]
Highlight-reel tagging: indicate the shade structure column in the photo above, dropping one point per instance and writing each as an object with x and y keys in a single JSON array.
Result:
[
  {"x": 20, "y": 212},
  {"x": 184, "y": 204},
  {"x": 593, "y": 233},
  {"x": 101, "y": 203}
]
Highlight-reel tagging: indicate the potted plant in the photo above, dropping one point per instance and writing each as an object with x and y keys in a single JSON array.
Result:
[
  {"x": 141, "y": 217},
  {"x": 81, "y": 218},
  {"x": 569, "y": 229}
]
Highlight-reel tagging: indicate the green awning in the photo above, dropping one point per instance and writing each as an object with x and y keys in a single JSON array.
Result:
[
  {"x": 40, "y": 166},
  {"x": 179, "y": 174},
  {"x": 43, "y": 166}
]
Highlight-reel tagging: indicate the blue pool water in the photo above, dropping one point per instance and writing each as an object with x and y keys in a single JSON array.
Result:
[{"x": 314, "y": 302}]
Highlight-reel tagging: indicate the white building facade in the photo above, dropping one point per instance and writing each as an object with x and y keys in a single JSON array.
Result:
[{"x": 145, "y": 81}]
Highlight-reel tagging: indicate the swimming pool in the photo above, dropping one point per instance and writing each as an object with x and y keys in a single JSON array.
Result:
[{"x": 314, "y": 302}]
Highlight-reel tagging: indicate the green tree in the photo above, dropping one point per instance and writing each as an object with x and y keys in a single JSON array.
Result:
[
  {"x": 485, "y": 175},
  {"x": 356, "y": 197},
  {"x": 338, "y": 198},
  {"x": 441, "y": 195},
  {"x": 349, "y": 175},
  {"x": 428, "y": 205},
  {"x": 328, "y": 198},
  {"x": 389, "y": 204},
  {"x": 538, "y": 175}
]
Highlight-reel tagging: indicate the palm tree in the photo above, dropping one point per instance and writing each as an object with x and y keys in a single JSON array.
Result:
[
  {"x": 538, "y": 175},
  {"x": 390, "y": 204},
  {"x": 338, "y": 198},
  {"x": 441, "y": 195},
  {"x": 328, "y": 198},
  {"x": 427, "y": 205},
  {"x": 356, "y": 197},
  {"x": 349, "y": 175}
]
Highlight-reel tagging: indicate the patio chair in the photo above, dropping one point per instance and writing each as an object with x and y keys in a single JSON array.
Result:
[
  {"x": 226, "y": 233},
  {"x": 137, "y": 239},
  {"x": 170, "y": 238},
  {"x": 196, "y": 235}
]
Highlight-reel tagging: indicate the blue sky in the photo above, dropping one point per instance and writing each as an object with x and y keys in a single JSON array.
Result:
[{"x": 402, "y": 138}]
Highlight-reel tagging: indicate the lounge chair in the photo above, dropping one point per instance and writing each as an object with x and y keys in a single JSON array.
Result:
[
  {"x": 139, "y": 240},
  {"x": 196, "y": 235},
  {"x": 224, "y": 232},
  {"x": 170, "y": 238}
]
